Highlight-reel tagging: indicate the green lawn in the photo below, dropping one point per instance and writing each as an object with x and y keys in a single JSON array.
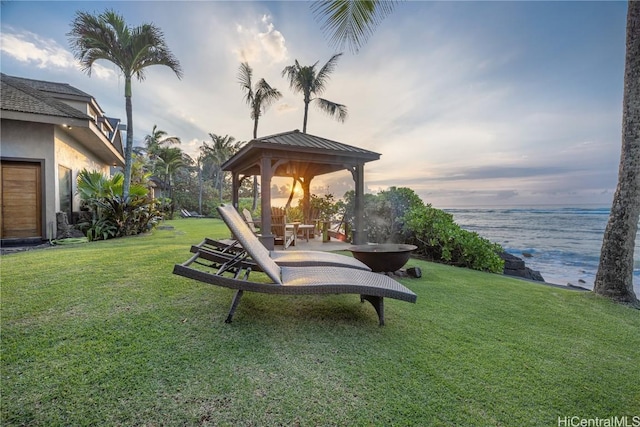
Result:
[{"x": 104, "y": 334}]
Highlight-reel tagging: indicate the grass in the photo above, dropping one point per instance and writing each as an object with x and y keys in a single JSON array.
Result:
[{"x": 103, "y": 334}]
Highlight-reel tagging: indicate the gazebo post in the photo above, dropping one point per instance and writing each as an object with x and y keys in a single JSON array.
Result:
[
  {"x": 359, "y": 233},
  {"x": 267, "y": 239}
]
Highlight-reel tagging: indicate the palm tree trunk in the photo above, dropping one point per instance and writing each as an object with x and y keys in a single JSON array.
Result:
[
  {"x": 128, "y": 151},
  {"x": 293, "y": 190},
  {"x": 614, "y": 278},
  {"x": 306, "y": 112},
  {"x": 254, "y": 204},
  {"x": 199, "y": 187}
]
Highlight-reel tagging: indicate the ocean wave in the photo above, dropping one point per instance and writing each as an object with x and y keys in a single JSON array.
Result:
[
  {"x": 564, "y": 241},
  {"x": 537, "y": 211}
]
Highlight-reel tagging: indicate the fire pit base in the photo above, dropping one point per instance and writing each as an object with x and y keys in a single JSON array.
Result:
[{"x": 384, "y": 256}]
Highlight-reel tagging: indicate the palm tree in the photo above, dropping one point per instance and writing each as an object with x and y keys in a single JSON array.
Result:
[
  {"x": 351, "y": 22},
  {"x": 157, "y": 139},
  {"x": 308, "y": 81},
  {"x": 107, "y": 36},
  {"x": 222, "y": 148},
  {"x": 614, "y": 278},
  {"x": 170, "y": 159},
  {"x": 258, "y": 98},
  {"x": 154, "y": 143}
]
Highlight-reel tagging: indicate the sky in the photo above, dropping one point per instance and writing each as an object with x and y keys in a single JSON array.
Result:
[{"x": 469, "y": 103}]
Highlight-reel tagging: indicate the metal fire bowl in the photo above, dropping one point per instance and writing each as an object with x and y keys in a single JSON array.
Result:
[{"x": 383, "y": 257}]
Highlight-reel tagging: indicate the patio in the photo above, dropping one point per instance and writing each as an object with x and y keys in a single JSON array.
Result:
[{"x": 316, "y": 244}]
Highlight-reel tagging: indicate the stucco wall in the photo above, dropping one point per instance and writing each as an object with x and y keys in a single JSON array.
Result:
[
  {"x": 72, "y": 155},
  {"x": 32, "y": 141}
]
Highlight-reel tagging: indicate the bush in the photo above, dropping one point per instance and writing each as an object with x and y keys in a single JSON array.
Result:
[
  {"x": 398, "y": 215},
  {"x": 440, "y": 239},
  {"x": 113, "y": 215}
]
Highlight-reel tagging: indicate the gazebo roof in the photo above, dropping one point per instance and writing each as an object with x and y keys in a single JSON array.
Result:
[{"x": 297, "y": 153}]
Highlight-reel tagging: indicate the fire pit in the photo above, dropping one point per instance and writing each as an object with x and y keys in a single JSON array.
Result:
[{"x": 383, "y": 257}]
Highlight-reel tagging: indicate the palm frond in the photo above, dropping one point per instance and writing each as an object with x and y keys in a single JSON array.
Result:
[
  {"x": 107, "y": 36},
  {"x": 323, "y": 75},
  {"x": 268, "y": 94},
  {"x": 245, "y": 72},
  {"x": 350, "y": 22},
  {"x": 333, "y": 109}
]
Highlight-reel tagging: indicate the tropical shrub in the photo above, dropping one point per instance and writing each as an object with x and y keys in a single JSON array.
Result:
[
  {"x": 440, "y": 239},
  {"x": 398, "y": 215},
  {"x": 325, "y": 207},
  {"x": 294, "y": 213},
  {"x": 111, "y": 214},
  {"x": 164, "y": 206}
]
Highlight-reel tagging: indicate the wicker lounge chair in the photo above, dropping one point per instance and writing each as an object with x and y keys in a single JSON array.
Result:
[
  {"x": 234, "y": 274},
  {"x": 222, "y": 250}
]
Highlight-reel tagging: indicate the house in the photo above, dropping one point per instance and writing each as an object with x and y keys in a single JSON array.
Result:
[{"x": 48, "y": 133}]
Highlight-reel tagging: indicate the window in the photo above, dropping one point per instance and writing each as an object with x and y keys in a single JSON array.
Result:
[{"x": 65, "y": 191}]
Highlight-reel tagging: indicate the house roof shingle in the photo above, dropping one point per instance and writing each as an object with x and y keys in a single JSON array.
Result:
[{"x": 22, "y": 95}]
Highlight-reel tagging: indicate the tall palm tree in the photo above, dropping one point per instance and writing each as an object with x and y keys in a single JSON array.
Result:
[
  {"x": 107, "y": 36},
  {"x": 309, "y": 82},
  {"x": 350, "y": 22},
  {"x": 614, "y": 278},
  {"x": 214, "y": 155},
  {"x": 258, "y": 97}
]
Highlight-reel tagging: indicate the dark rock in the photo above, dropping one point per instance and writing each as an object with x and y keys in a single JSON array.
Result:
[
  {"x": 514, "y": 266},
  {"x": 512, "y": 262},
  {"x": 527, "y": 254},
  {"x": 414, "y": 272},
  {"x": 534, "y": 275},
  {"x": 581, "y": 281},
  {"x": 64, "y": 230},
  {"x": 580, "y": 288}
]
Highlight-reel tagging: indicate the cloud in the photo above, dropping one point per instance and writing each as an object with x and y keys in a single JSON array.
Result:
[
  {"x": 265, "y": 44},
  {"x": 44, "y": 53},
  {"x": 286, "y": 108}
]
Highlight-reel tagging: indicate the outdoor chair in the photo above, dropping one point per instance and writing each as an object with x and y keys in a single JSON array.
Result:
[
  {"x": 224, "y": 250},
  {"x": 249, "y": 220},
  {"x": 234, "y": 274},
  {"x": 186, "y": 214},
  {"x": 284, "y": 232}
]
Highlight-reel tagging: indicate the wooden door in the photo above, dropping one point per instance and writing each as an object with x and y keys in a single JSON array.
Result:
[{"x": 21, "y": 196}]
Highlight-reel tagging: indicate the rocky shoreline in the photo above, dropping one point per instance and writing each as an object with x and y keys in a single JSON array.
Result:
[{"x": 516, "y": 267}]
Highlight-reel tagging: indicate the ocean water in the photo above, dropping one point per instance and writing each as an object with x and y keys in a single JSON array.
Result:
[{"x": 564, "y": 243}]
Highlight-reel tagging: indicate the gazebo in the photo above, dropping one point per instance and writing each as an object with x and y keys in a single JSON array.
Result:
[{"x": 300, "y": 156}]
